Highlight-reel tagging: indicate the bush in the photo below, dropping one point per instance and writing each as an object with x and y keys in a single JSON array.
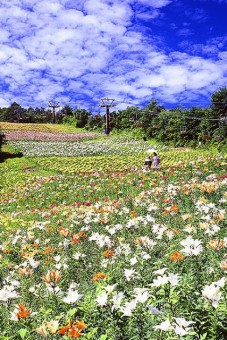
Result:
[
  {"x": 2, "y": 139},
  {"x": 70, "y": 120}
]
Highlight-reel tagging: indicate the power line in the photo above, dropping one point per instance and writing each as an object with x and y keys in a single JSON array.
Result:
[{"x": 193, "y": 118}]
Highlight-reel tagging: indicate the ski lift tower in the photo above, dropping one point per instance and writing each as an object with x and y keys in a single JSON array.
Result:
[
  {"x": 53, "y": 104},
  {"x": 107, "y": 103}
]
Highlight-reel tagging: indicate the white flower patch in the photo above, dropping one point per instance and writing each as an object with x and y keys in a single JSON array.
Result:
[
  {"x": 182, "y": 327},
  {"x": 72, "y": 295},
  {"x": 191, "y": 246},
  {"x": 164, "y": 326},
  {"x": 128, "y": 308},
  {"x": 8, "y": 292},
  {"x": 117, "y": 299},
  {"x": 159, "y": 230},
  {"x": 77, "y": 148},
  {"x": 123, "y": 248},
  {"x": 102, "y": 299},
  {"x": 173, "y": 279},
  {"x": 154, "y": 310},
  {"x": 101, "y": 240},
  {"x": 206, "y": 207},
  {"x": 141, "y": 294},
  {"x": 110, "y": 288},
  {"x": 130, "y": 274},
  {"x": 212, "y": 292}
]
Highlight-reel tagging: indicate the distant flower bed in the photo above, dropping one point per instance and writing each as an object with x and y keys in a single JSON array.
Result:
[
  {"x": 46, "y": 136},
  {"x": 76, "y": 148},
  {"x": 113, "y": 163},
  {"x": 38, "y": 127}
]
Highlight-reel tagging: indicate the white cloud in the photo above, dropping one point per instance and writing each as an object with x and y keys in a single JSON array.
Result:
[
  {"x": 4, "y": 102},
  {"x": 184, "y": 32},
  {"x": 148, "y": 16},
  {"x": 88, "y": 49},
  {"x": 156, "y": 3},
  {"x": 223, "y": 57}
]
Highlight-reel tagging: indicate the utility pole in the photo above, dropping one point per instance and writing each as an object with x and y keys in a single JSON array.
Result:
[
  {"x": 107, "y": 103},
  {"x": 53, "y": 104}
]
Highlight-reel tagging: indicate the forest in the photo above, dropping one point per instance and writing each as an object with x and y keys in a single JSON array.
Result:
[{"x": 178, "y": 126}]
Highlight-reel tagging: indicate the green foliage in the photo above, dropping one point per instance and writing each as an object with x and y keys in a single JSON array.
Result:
[
  {"x": 67, "y": 111},
  {"x": 129, "y": 133},
  {"x": 219, "y": 102},
  {"x": 96, "y": 122},
  {"x": 70, "y": 120},
  {"x": 177, "y": 127},
  {"x": 82, "y": 117},
  {"x": 2, "y": 139},
  {"x": 17, "y": 114},
  {"x": 3, "y": 114}
]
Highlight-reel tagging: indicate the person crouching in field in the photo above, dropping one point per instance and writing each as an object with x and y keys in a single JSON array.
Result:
[
  {"x": 156, "y": 161},
  {"x": 148, "y": 162}
]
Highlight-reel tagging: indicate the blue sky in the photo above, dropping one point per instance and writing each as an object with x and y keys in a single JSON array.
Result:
[{"x": 78, "y": 51}]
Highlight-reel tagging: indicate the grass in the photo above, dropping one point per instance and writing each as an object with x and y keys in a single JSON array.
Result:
[
  {"x": 53, "y": 128},
  {"x": 12, "y": 163}
]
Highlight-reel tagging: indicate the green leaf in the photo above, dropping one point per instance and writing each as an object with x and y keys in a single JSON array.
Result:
[
  {"x": 203, "y": 337},
  {"x": 45, "y": 311},
  {"x": 22, "y": 332},
  {"x": 103, "y": 337},
  {"x": 91, "y": 334},
  {"x": 71, "y": 312},
  {"x": 58, "y": 317}
]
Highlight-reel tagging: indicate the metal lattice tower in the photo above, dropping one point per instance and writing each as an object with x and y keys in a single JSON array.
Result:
[
  {"x": 107, "y": 103},
  {"x": 53, "y": 104}
]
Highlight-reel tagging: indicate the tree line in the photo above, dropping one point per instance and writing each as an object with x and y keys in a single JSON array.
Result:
[{"x": 176, "y": 126}]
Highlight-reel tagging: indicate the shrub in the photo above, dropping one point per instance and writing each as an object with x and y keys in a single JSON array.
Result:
[{"x": 2, "y": 139}]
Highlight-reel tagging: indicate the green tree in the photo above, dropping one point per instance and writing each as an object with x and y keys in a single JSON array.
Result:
[
  {"x": 3, "y": 114},
  {"x": 2, "y": 139},
  {"x": 67, "y": 111},
  {"x": 41, "y": 115},
  {"x": 128, "y": 118},
  {"x": 219, "y": 103},
  {"x": 149, "y": 115},
  {"x": 95, "y": 122},
  {"x": 15, "y": 113},
  {"x": 81, "y": 116},
  {"x": 65, "y": 115},
  {"x": 30, "y": 117}
]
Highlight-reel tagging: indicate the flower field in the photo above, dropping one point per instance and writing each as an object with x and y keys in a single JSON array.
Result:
[
  {"x": 78, "y": 148},
  {"x": 46, "y": 136},
  {"x": 94, "y": 246},
  {"x": 43, "y": 128}
]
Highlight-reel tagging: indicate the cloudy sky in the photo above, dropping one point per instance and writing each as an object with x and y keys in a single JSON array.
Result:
[{"x": 78, "y": 51}]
